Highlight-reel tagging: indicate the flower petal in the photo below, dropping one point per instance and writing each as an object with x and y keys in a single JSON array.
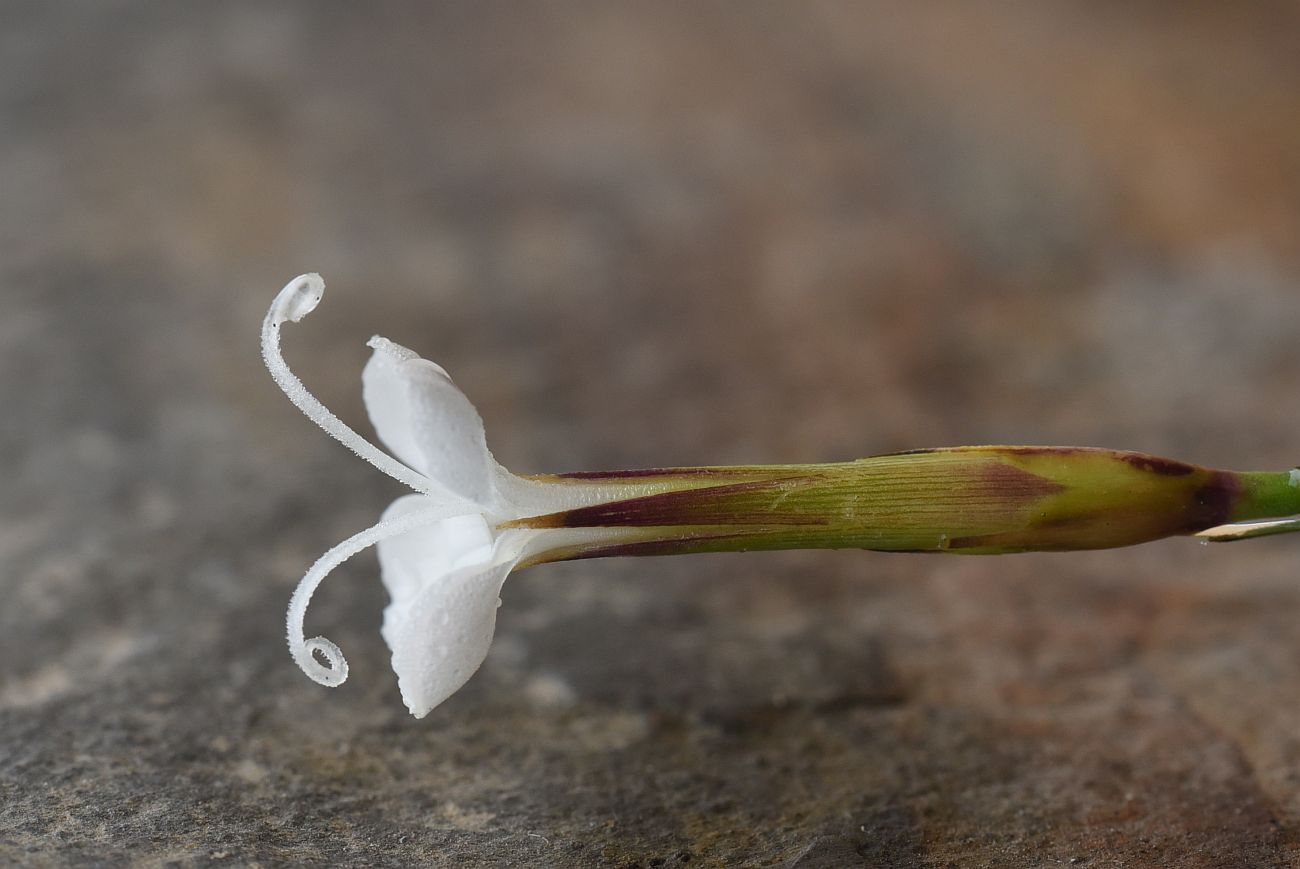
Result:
[
  {"x": 411, "y": 561},
  {"x": 444, "y": 581},
  {"x": 427, "y": 421},
  {"x": 441, "y": 637}
]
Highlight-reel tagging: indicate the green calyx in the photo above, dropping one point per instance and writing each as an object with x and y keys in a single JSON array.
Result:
[{"x": 969, "y": 500}]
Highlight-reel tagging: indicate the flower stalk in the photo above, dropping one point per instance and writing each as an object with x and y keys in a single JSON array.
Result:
[{"x": 445, "y": 550}]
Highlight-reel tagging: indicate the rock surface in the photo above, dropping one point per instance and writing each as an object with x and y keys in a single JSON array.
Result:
[{"x": 644, "y": 235}]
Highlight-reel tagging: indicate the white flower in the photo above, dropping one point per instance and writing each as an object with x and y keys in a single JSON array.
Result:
[{"x": 445, "y": 551}]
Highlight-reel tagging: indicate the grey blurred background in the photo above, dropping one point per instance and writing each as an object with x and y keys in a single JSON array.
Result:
[{"x": 637, "y": 235}]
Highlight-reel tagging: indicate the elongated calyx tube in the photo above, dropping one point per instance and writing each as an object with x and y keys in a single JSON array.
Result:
[
  {"x": 983, "y": 500},
  {"x": 446, "y": 548}
]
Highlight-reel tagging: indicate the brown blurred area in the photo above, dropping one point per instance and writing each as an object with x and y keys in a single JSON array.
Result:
[{"x": 644, "y": 235}]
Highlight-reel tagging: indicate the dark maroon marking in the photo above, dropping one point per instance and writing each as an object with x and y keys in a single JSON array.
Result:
[
  {"x": 1157, "y": 465},
  {"x": 1058, "y": 523},
  {"x": 688, "y": 507},
  {"x": 1009, "y": 480},
  {"x": 1052, "y": 451},
  {"x": 999, "y": 449},
  {"x": 652, "y": 472},
  {"x": 978, "y": 541},
  {"x": 652, "y": 547},
  {"x": 1214, "y": 503}
]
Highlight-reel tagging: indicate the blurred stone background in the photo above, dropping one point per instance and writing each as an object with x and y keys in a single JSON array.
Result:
[{"x": 644, "y": 234}]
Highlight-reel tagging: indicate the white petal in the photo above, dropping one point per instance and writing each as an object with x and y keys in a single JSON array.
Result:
[
  {"x": 427, "y": 421},
  {"x": 410, "y": 561},
  {"x": 441, "y": 636},
  {"x": 444, "y": 581}
]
